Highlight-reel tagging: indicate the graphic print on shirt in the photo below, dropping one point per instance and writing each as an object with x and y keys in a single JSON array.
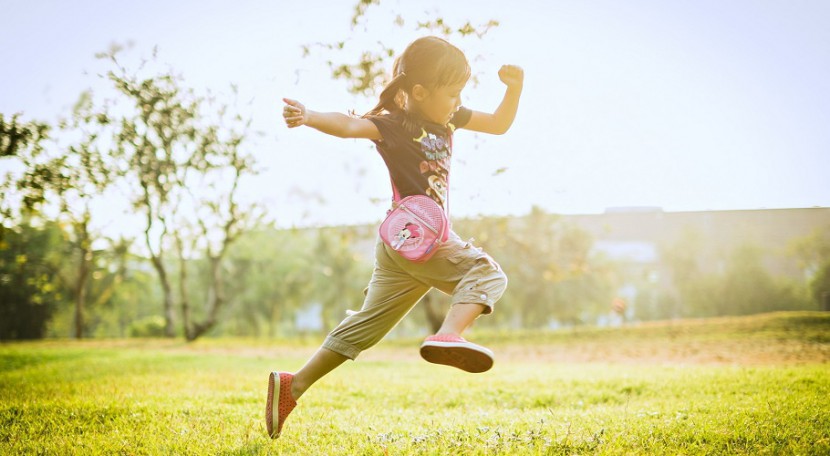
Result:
[{"x": 436, "y": 168}]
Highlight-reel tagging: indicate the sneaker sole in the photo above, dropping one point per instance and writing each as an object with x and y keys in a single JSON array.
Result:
[
  {"x": 271, "y": 413},
  {"x": 465, "y": 356}
]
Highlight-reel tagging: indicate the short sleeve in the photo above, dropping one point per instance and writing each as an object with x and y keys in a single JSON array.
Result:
[
  {"x": 389, "y": 128},
  {"x": 461, "y": 117}
]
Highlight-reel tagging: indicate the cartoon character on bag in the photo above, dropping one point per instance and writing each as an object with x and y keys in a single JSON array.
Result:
[{"x": 410, "y": 231}]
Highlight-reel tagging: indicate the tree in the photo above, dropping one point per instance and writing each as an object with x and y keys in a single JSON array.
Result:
[
  {"x": 692, "y": 294},
  {"x": 155, "y": 142},
  {"x": 813, "y": 253},
  {"x": 17, "y": 137},
  {"x": 431, "y": 303},
  {"x": 340, "y": 281},
  {"x": 220, "y": 217},
  {"x": 370, "y": 71},
  {"x": 185, "y": 165},
  {"x": 73, "y": 177},
  {"x": 30, "y": 287},
  {"x": 553, "y": 275},
  {"x": 272, "y": 275},
  {"x": 23, "y": 142},
  {"x": 747, "y": 287},
  {"x": 710, "y": 282},
  {"x": 65, "y": 179}
]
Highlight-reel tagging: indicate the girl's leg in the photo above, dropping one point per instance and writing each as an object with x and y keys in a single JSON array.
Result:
[
  {"x": 358, "y": 332},
  {"x": 467, "y": 273},
  {"x": 320, "y": 364},
  {"x": 449, "y": 348},
  {"x": 460, "y": 317},
  {"x": 473, "y": 279},
  {"x": 475, "y": 282},
  {"x": 390, "y": 296}
]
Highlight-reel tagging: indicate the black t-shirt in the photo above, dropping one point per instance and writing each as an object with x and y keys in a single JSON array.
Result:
[{"x": 418, "y": 157}]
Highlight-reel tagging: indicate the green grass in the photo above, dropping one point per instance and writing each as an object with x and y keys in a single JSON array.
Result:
[{"x": 742, "y": 393}]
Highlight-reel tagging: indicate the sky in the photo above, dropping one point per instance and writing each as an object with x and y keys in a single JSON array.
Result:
[{"x": 682, "y": 105}]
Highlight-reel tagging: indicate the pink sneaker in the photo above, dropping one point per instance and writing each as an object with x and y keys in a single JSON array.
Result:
[
  {"x": 456, "y": 352},
  {"x": 280, "y": 403}
]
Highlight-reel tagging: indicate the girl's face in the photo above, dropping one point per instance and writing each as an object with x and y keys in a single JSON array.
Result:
[{"x": 439, "y": 104}]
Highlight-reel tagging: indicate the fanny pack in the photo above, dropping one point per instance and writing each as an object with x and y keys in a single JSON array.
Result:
[{"x": 415, "y": 227}]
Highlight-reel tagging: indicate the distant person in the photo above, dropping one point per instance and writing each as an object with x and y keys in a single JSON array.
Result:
[{"x": 412, "y": 127}]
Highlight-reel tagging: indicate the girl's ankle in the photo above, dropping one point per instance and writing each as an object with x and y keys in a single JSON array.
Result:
[{"x": 296, "y": 390}]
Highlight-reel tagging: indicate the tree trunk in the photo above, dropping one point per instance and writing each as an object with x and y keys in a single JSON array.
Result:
[
  {"x": 216, "y": 299},
  {"x": 434, "y": 317},
  {"x": 183, "y": 297},
  {"x": 80, "y": 294},
  {"x": 169, "y": 317},
  {"x": 83, "y": 275},
  {"x": 274, "y": 321},
  {"x": 158, "y": 264}
]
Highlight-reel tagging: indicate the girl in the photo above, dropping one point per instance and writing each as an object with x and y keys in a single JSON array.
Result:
[{"x": 412, "y": 127}]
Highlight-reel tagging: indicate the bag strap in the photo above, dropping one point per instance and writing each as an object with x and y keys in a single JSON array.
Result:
[
  {"x": 396, "y": 198},
  {"x": 396, "y": 195}
]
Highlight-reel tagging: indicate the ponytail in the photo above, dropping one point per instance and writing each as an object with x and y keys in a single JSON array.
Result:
[{"x": 389, "y": 96}]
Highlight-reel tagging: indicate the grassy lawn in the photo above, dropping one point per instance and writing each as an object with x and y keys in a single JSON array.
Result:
[{"x": 754, "y": 385}]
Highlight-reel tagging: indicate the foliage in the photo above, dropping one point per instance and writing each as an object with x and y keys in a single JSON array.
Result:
[
  {"x": 748, "y": 288},
  {"x": 371, "y": 70},
  {"x": 277, "y": 275},
  {"x": 122, "y": 291},
  {"x": 742, "y": 286},
  {"x": 19, "y": 142},
  {"x": 16, "y": 137},
  {"x": 65, "y": 175},
  {"x": 155, "y": 143},
  {"x": 341, "y": 276},
  {"x": 80, "y": 174},
  {"x": 183, "y": 159},
  {"x": 813, "y": 252},
  {"x": 271, "y": 279},
  {"x": 152, "y": 326},
  {"x": 30, "y": 286},
  {"x": 554, "y": 276}
]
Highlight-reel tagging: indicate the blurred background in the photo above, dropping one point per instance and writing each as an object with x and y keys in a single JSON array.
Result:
[{"x": 668, "y": 161}]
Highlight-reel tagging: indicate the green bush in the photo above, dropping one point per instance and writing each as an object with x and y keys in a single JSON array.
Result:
[{"x": 147, "y": 327}]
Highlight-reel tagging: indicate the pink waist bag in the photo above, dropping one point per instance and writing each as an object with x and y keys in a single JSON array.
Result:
[{"x": 415, "y": 228}]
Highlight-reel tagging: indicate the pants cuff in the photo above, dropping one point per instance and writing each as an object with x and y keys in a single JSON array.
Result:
[
  {"x": 476, "y": 298},
  {"x": 338, "y": 346}
]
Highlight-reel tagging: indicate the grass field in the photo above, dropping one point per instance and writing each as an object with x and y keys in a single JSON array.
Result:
[{"x": 753, "y": 385}]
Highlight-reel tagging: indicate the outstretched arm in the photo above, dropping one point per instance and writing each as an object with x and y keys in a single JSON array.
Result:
[
  {"x": 501, "y": 119},
  {"x": 332, "y": 123}
]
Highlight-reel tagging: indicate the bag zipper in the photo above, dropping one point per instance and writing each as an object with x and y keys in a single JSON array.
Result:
[{"x": 403, "y": 206}]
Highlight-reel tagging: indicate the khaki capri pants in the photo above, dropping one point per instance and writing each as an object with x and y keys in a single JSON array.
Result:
[{"x": 457, "y": 268}]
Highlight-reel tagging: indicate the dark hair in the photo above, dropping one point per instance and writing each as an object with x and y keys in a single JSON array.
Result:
[{"x": 429, "y": 61}]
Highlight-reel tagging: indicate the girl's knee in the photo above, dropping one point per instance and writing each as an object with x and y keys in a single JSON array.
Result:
[
  {"x": 499, "y": 283},
  {"x": 503, "y": 281},
  {"x": 484, "y": 285}
]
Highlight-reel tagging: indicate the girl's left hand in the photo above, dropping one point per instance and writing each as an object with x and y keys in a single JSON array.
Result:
[
  {"x": 294, "y": 113},
  {"x": 512, "y": 75}
]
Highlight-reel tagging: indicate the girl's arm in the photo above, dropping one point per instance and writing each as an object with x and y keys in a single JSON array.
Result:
[
  {"x": 501, "y": 119},
  {"x": 332, "y": 123}
]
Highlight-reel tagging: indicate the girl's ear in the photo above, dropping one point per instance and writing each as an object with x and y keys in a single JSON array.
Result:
[{"x": 419, "y": 92}]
